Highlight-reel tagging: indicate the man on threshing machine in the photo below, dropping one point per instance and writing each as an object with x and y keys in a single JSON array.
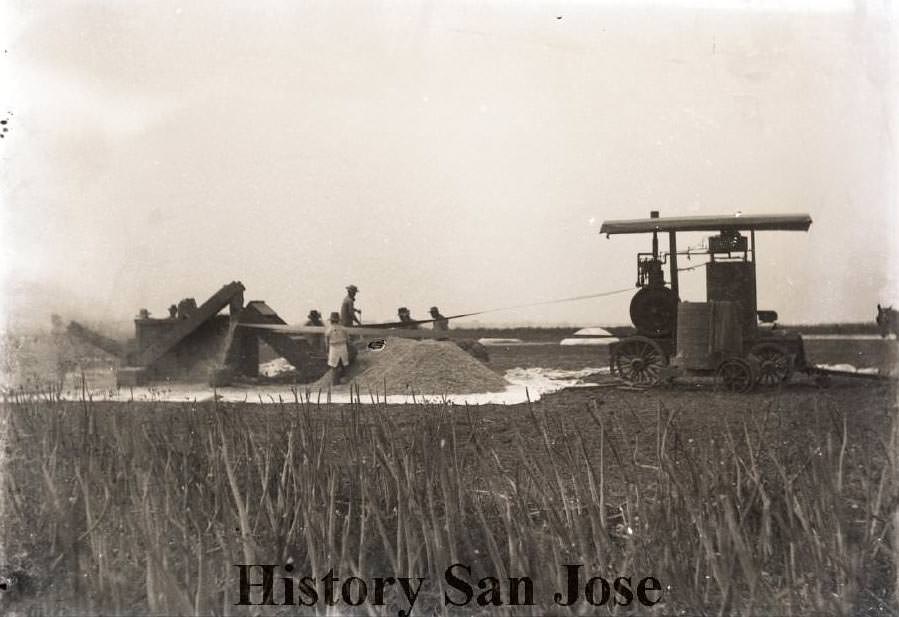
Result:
[
  {"x": 348, "y": 310},
  {"x": 314, "y": 319},
  {"x": 405, "y": 317},
  {"x": 317, "y": 341},
  {"x": 440, "y": 322}
]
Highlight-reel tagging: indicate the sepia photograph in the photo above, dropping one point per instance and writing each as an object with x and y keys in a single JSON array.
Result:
[{"x": 494, "y": 307}]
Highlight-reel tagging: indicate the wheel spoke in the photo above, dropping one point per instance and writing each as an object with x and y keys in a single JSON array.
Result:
[
  {"x": 735, "y": 375},
  {"x": 638, "y": 360},
  {"x": 775, "y": 363}
]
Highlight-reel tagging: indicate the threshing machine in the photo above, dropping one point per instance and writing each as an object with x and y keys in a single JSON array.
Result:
[{"x": 725, "y": 336}]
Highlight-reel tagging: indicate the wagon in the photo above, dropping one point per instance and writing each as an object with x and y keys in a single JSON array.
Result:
[{"x": 726, "y": 336}]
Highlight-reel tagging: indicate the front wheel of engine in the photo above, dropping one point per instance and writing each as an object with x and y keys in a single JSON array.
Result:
[{"x": 775, "y": 364}]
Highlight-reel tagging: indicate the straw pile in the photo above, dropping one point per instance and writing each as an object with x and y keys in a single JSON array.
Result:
[{"x": 421, "y": 367}]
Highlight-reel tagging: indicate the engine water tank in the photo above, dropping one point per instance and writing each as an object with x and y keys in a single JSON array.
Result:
[
  {"x": 727, "y": 330},
  {"x": 707, "y": 332},
  {"x": 693, "y": 335}
]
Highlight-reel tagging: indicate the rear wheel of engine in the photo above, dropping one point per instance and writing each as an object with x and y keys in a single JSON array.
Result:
[
  {"x": 735, "y": 375},
  {"x": 639, "y": 360},
  {"x": 775, "y": 363}
]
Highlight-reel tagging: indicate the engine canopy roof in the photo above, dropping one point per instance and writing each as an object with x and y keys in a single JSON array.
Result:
[{"x": 728, "y": 222}]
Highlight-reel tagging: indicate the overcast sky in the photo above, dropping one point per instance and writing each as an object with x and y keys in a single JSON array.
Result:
[{"x": 458, "y": 154}]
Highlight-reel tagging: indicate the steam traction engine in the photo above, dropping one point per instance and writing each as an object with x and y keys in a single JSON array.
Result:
[{"x": 725, "y": 336}]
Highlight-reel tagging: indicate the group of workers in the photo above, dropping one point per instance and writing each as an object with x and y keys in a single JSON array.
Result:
[{"x": 340, "y": 352}]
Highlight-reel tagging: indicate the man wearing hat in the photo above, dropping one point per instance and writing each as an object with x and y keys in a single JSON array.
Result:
[
  {"x": 440, "y": 322},
  {"x": 317, "y": 341},
  {"x": 338, "y": 348},
  {"x": 406, "y": 318},
  {"x": 314, "y": 318},
  {"x": 348, "y": 308}
]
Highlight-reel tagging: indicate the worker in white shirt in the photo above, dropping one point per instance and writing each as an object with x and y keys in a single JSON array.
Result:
[{"x": 338, "y": 348}]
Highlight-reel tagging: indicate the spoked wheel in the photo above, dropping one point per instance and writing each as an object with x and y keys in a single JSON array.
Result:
[
  {"x": 639, "y": 360},
  {"x": 775, "y": 364},
  {"x": 735, "y": 375}
]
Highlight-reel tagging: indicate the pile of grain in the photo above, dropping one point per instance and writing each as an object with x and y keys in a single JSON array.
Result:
[{"x": 420, "y": 367}]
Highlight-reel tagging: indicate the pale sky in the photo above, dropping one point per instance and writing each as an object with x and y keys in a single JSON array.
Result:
[{"x": 458, "y": 154}]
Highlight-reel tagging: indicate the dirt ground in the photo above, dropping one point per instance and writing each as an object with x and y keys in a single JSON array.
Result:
[{"x": 793, "y": 415}]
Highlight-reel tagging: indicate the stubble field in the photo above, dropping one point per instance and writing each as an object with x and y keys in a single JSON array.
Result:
[{"x": 779, "y": 502}]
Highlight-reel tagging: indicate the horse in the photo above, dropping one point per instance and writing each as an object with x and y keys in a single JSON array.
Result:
[{"x": 887, "y": 320}]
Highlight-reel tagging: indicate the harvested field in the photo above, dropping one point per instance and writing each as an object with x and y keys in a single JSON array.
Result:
[
  {"x": 774, "y": 503},
  {"x": 406, "y": 366},
  {"x": 777, "y": 502}
]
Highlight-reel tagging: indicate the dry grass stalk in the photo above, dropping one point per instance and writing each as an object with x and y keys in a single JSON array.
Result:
[{"x": 153, "y": 505}]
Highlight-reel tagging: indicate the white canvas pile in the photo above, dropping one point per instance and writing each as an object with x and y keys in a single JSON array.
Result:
[
  {"x": 421, "y": 367},
  {"x": 851, "y": 368}
]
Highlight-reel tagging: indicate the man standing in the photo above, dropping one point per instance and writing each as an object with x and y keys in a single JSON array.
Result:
[
  {"x": 348, "y": 310},
  {"x": 338, "y": 348}
]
